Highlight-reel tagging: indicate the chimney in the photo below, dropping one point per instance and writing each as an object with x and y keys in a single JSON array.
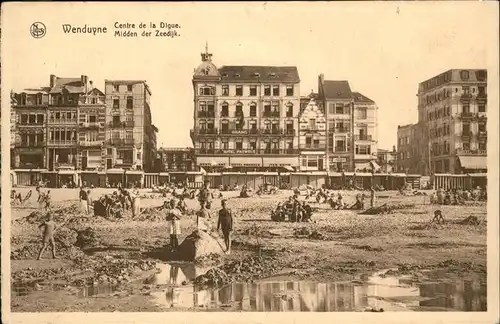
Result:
[
  {"x": 52, "y": 80},
  {"x": 91, "y": 85},
  {"x": 394, "y": 148}
]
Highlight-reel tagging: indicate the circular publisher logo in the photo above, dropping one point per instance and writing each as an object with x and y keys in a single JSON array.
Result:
[{"x": 38, "y": 30}]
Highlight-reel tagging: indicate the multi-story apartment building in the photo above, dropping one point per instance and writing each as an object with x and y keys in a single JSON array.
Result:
[
  {"x": 406, "y": 148},
  {"x": 29, "y": 117},
  {"x": 338, "y": 101},
  {"x": 312, "y": 138},
  {"x": 176, "y": 159},
  {"x": 365, "y": 132},
  {"x": 452, "y": 108},
  {"x": 91, "y": 126},
  {"x": 245, "y": 116},
  {"x": 130, "y": 134}
]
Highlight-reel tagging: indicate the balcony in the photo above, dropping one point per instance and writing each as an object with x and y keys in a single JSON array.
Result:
[
  {"x": 39, "y": 124},
  {"x": 470, "y": 152},
  {"x": 271, "y": 114},
  {"x": 121, "y": 141},
  {"x": 363, "y": 137},
  {"x": 30, "y": 144},
  {"x": 466, "y": 97},
  {"x": 467, "y": 115},
  {"x": 90, "y": 143},
  {"x": 65, "y": 165},
  {"x": 62, "y": 143},
  {"x": 339, "y": 130},
  {"x": 206, "y": 114},
  {"x": 91, "y": 125},
  {"x": 314, "y": 147},
  {"x": 482, "y": 134},
  {"x": 121, "y": 124},
  {"x": 466, "y": 136}
]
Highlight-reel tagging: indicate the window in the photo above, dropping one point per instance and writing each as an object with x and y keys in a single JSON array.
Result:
[
  {"x": 225, "y": 90},
  {"x": 253, "y": 91},
  {"x": 117, "y": 87},
  {"x": 276, "y": 90},
  {"x": 308, "y": 141},
  {"x": 316, "y": 143},
  {"x": 482, "y": 127},
  {"x": 339, "y": 108},
  {"x": 340, "y": 146},
  {"x": 312, "y": 124},
  {"x": 95, "y": 101},
  {"x": 482, "y": 146},
  {"x": 32, "y": 119},
  {"x": 253, "y": 146},
  {"x": 253, "y": 109},
  {"x": 481, "y": 107},
  {"x": 312, "y": 162},
  {"x": 39, "y": 118},
  {"x": 116, "y": 104},
  {"x": 465, "y": 108},
  {"x": 225, "y": 110},
  {"x": 267, "y": 90},
  {"x": 464, "y": 75},
  {"x": 92, "y": 118},
  {"x": 363, "y": 149},
  {"x": 466, "y": 146},
  {"x": 289, "y": 90},
  {"x": 331, "y": 108},
  {"x": 24, "y": 118},
  {"x": 465, "y": 129},
  {"x": 239, "y": 145},
  {"x": 362, "y": 113},
  {"x": 466, "y": 90},
  {"x": 225, "y": 145},
  {"x": 129, "y": 87},
  {"x": 289, "y": 110},
  {"x": 130, "y": 102},
  {"x": 239, "y": 90},
  {"x": 407, "y": 140},
  {"x": 239, "y": 110},
  {"x": 116, "y": 120}
]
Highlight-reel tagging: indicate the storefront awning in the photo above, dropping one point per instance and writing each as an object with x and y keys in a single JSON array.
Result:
[
  {"x": 288, "y": 168},
  {"x": 134, "y": 172},
  {"x": 478, "y": 175},
  {"x": 163, "y": 174},
  {"x": 399, "y": 175},
  {"x": 348, "y": 174},
  {"x": 375, "y": 165},
  {"x": 473, "y": 162},
  {"x": 334, "y": 174},
  {"x": 363, "y": 174}
]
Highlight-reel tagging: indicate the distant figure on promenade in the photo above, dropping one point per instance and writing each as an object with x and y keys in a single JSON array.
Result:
[{"x": 49, "y": 227}]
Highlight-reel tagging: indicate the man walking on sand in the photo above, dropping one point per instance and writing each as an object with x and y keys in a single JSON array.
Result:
[
  {"x": 49, "y": 226},
  {"x": 225, "y": 223}
]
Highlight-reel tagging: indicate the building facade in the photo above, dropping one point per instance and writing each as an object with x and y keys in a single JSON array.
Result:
[
  {"x": 91, "y": 130},
  {"x": 413, "y": 149},
  {"x": 312, "y": 138},
  {"x": 176, "y": 159},
  {"x": 387, "y": 160},
  {"x": 365, "y": 132},
  {"x": 245, "y": 116},
  {"x": 338, "y": 101},
  {"x": 452, "y": 107},
  {"x": 130, "y": 136}
]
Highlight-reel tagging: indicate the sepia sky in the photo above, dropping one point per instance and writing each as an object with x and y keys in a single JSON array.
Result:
[{"x": 383, "y": 49}]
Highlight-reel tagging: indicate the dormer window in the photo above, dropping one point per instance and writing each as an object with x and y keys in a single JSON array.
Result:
[
  {"x": 236, "y": 75},
  {"x": 256, "y": 74},
  {"x": 464, "y": 75},
  {"x": 272, "y": 75},
  {"x": 224, "y": 74}
]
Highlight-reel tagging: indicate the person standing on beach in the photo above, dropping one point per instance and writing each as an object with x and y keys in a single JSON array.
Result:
[
  {"x": 205, "y": 196},
  {"x": 372, "y": 197},
  {"x": 173, "y": 217},
  {"x": 225, "y": 223},
  {"x": 49, "y": 227},
  {"x": 84, "y": 203}
]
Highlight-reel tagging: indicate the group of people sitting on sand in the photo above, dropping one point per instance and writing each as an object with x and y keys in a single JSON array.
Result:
[
  {"x": 458, "y": 196},
  {"x": 292, "y": 210}
]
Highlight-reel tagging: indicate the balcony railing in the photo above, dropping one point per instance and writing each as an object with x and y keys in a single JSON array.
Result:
[
  {"x": 339, "y": 130},
  {"x": 483, "y": 133},
  {"x": 314, "y": 147},
  {"x": 363, "y": 137},
  {"x": 121, "y": 124},
  {"x": 247, "y": 151},
  {"x": 62, "y": 143},
  {"x": 40, "y": 124},
  {"x": 271, "y": 114},
  {"x": 206, "y": 114},
  {"x": 91, "y": 143},
  {"x": 28, "y": 145},
  {"x": 466, "y": 97},
  {"x": 470, "y": 152},
  {"x": 92, "y": 125},
  {"x": 121, "y": 141},
  {"x": 466, "y": 135},
  {"x": 466, "y": 114}
]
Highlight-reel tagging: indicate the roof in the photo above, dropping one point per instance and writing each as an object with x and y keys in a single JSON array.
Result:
[
  {"x": 337, "y": 90},
  {"x": 235, "y": 73},
  {"x": 359, "y": 97},
  {"x": 473, "y": 162},
  {"x": 96, "y": 91},
  {"x": 43, "y": 90},
  {"x": 72, "y": 85}
]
